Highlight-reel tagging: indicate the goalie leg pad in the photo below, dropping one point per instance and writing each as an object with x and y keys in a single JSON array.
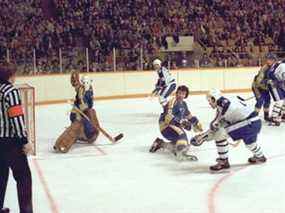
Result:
[{"x": 68, "y": 137}]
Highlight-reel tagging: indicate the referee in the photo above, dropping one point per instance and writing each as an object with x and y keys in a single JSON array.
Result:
[{"x": 14, "y": 145}]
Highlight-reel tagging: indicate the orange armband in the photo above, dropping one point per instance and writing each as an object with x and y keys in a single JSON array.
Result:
[{"x": 15, "y": 111}]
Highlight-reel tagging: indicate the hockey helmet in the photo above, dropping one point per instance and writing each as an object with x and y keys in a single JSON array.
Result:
[
  {"x": 212, "y": 96},
  {"x": 271, "y": 56},
  {"x": 214, "y": 93},
  {"x": 156, "y": 62}
]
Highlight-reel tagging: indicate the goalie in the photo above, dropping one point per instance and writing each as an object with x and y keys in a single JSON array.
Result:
[
  {"x": 175, "y": 118},
  {"x": 83, "y": 117}
]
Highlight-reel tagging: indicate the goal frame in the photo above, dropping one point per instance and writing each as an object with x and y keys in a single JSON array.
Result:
[{"x": 27, "y": 93}]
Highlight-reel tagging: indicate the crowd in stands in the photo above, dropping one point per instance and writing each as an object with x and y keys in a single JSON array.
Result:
[{"x": 230, "y": 33}]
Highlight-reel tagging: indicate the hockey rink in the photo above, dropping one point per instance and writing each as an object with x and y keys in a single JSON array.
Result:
[{"x": 126, "y": 178}]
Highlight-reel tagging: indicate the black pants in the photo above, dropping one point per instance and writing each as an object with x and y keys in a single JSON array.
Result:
[{"x": 12, "y": 156}]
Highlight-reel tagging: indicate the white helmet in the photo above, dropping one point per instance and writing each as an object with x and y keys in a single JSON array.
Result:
[
  {"x": 156, "y": 62},
  {"x": 215, "y": 93},
  {"x": 86, "y": 81}
]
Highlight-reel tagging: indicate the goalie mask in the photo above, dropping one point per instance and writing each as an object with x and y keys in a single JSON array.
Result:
[{"x": 87, "y": 82}]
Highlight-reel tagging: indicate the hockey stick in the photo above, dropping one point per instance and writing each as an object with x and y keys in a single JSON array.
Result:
[
  {"x": 235, "y": 144},
  {"x": 107, "y": 135},
  {"x": 245, "y": 99},
  {"x": 153, "y": 94}
]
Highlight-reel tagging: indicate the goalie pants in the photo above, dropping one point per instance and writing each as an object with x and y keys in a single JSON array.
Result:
[{"x": 12, "y": 156}]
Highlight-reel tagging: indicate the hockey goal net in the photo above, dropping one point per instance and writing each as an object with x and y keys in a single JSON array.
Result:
[{"x": 27, "y": 93}]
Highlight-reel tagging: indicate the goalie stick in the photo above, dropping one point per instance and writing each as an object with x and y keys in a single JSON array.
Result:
[{"x": 107, "y": 135}]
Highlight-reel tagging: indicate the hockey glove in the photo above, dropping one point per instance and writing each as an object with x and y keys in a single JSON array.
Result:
[
  {"x": 186, "y": 124},
  {"x": 197, "y": 140},
  {"x": 197, "y": 126}
]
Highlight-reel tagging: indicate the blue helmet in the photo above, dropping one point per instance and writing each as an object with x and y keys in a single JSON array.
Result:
[{"x": 271, "y": 56}]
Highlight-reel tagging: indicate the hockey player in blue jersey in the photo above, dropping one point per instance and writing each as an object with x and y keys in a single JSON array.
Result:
[
  {"x": 239, "y": 121},
  {"x": 165, "y": 85},
  {"x": 261, "y": 92},
  {"x": 275, "y": 79},
  {"x": 175, "y": 118}
]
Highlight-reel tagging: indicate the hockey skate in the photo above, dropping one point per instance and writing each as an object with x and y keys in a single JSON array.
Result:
[
  {"x": 157, "y": 144},
  {"x": 5, "y": 210},
  {"x": 273, "y": 122},
  {"x": 255, "y": 160},
  {"x": 222, "y": 164},
  {"x": 283, "y": 118},
  {"x": 266, "y": 117}
]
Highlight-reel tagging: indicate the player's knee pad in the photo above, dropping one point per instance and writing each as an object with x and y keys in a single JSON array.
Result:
[
  {"x": 181, "y": 145},
  {"x": 220, "y": 135}
]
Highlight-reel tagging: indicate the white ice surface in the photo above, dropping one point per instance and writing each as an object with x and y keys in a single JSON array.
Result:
[{"x": 126, "y": 178}]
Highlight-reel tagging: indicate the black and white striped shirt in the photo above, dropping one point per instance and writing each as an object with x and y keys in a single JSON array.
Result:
[{"x": 12, "y": 123}]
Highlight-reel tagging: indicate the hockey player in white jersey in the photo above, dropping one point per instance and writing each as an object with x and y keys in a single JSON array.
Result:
[
  {"x": 239, "y": 121},
  {"x": 275, "y": 78},
  {"x": 165, "y": 85}
]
